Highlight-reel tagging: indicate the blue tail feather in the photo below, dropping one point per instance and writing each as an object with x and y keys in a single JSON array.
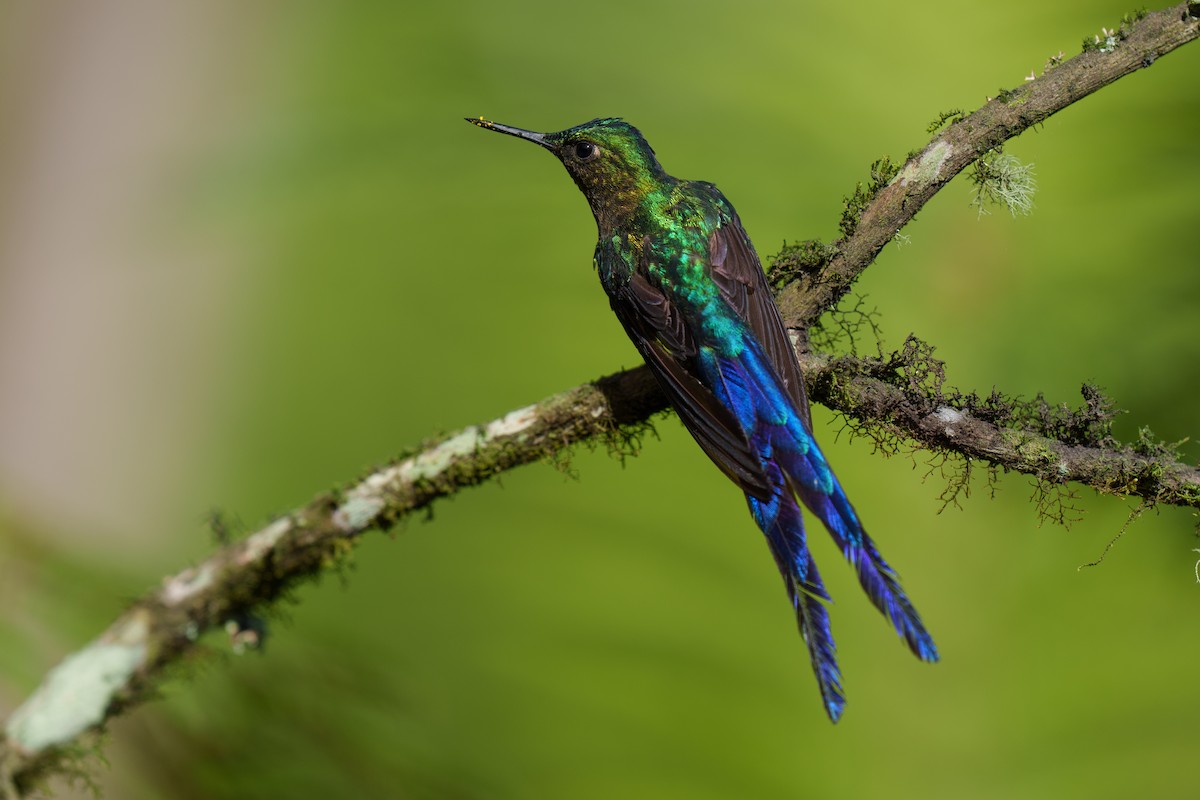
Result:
[
  {"x": 875, "y": 575},
  {"x": 795, "y": 467},
  {"x": 781, "y": 521}
]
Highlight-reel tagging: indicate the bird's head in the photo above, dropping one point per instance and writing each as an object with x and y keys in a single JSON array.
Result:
[{"x": 609, "y": 159}]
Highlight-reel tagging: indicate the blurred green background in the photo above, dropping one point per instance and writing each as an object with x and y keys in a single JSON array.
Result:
[{"x": 247, "y": 251}]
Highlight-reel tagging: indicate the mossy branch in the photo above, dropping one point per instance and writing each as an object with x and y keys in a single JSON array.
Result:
[
  {"x": 898, "y": 395},
  {"x": 901, "y": 397},
  {"x": 877, "y": 213},
  {"x": 123, "y": 665}
]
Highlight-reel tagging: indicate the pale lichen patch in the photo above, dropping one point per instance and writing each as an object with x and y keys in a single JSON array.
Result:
[
  {"x": 434, "y": 462},
  {"x": 363, "y": 504},
  {"x": 260, "y": 543},
  {"x": 180, "y": 587},
  {"x": 76, "y": 694},
  {"x": 512, "y": 423},
  {"x": 380, "y": 480},
  {"x": 928, "y": 168},
  {"x": 358, "y": 512},
  {"x": 949, "y": 417}
]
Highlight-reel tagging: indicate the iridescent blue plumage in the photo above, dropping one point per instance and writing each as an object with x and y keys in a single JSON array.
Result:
[{"x": 685, "y": 282}]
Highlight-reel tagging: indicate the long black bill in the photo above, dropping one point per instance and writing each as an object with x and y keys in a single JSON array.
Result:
[{"x": 521, "y": 133}]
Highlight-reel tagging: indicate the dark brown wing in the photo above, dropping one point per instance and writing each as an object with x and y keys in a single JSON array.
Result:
[
  {"x": 739, "y": 274},
  {"x": 668, "y": 347}
]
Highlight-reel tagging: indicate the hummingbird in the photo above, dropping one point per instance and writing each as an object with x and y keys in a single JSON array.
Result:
[{"x": 686, "y": 284}]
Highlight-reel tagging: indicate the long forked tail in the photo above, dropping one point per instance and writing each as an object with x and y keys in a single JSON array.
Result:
[
  {"x": 779, "y": 518},
  {"x": 794, "y": 467},
  {"x": 792, "y": 447}
]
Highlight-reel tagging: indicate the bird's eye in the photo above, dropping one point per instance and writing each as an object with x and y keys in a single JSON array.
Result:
[{"x": 586, "y": 151}]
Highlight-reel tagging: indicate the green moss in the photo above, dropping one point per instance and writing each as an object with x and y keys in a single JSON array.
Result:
[
  {"x": 1131, "y": 18},
  {"x": 945, "y": 119},
  {"x": 883, "y": 170},
  {"x": 1150, "y": 446},
  {"x": 797, "y": 260},
  {"x": 1190, "y": 494}
]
